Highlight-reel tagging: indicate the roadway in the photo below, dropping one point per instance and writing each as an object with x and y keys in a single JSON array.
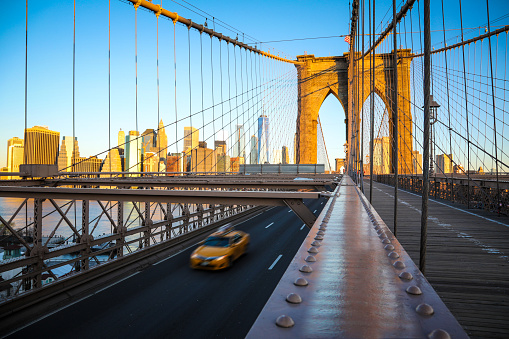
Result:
[{"x": 169, "y": 299}]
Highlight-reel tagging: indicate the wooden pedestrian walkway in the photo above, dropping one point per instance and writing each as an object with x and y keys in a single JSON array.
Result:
[{"x": 467, "y": 257}]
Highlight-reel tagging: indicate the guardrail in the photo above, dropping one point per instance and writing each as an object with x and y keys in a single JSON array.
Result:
[{"x": 478, "y": 192}]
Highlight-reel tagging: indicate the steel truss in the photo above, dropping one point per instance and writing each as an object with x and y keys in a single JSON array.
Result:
[{"x": 141, "y": 213}]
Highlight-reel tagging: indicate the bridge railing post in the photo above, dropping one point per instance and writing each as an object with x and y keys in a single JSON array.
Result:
[
  {"x": 120, "y": 229},
  {"x": 86, "y": 238}
]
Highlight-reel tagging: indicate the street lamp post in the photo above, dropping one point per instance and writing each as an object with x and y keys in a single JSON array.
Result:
[{"x": 433, "y": 106}]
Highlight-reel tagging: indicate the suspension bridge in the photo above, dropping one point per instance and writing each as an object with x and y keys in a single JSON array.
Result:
[{"x": 407, "y": 236}]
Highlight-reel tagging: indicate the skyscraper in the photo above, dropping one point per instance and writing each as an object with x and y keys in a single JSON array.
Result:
[
  {"x": 235, "y": 163},
  {"x": 133, "y": 152},
  {"x": 285, "y": 156},
  {"x": 220, "y": 146},
  {"x": 263, "y": 139},
  {"x": 91, "y": 164},
  {"x": 148, "y": 138},
  {"x": 112, "y": 163},
  {"x": 223, "y": 162},
  {"x": 41, "y": 146},
  {"x": 150, "y": 162},
  {"x": 276, "y": 157},
  {"x": 416, "y": 162},
  {"x": 121, "y": 139},
  {"x": 162, "y": 141},
  {"x": 295, "y": 148},
  {"x": 175, "y": 162},
  {"x": 444, "y": 163},
  {"x": 203, "y": 160},
  {"x": 253, "y": 155},
  {"x": 239, "y": 148},
  {"x": 191, "y": 136},
  {"x": 15, "y": 151},
  {"x": 66, "y": 155}
]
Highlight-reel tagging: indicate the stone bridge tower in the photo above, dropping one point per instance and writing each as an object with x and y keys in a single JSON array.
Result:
[{"x": 320, "y": 77}]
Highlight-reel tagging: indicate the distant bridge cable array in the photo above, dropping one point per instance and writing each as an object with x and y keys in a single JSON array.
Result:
[
  {"x": 459, "y": 150},
  {"x": 224, "y": 104}
]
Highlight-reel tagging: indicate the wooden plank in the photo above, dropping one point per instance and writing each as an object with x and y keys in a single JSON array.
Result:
[{"x": 467, "y": 257}]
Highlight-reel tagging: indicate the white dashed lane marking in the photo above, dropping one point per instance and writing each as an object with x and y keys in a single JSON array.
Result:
[{"x": 275, "y": 262}]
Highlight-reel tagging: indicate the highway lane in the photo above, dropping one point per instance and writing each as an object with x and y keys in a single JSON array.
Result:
[{"x": 169, "y": 299}]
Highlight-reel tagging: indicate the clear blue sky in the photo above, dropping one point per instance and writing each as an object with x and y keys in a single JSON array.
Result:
[{"x": 51, "y": 47}]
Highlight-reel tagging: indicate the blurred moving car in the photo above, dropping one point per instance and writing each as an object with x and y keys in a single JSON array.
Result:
[{"x": 220, "y": 249}]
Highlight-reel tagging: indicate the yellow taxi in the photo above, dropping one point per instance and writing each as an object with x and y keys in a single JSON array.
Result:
[{"x": 220, "y": 249}]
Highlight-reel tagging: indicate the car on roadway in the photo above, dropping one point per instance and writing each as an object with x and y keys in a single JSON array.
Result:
[{"x": 220, "y": 249}]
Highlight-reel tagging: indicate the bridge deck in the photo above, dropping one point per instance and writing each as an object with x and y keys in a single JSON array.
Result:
[
  {"x": 355, "y": 289},
  {"x": 467, "y": 257}
]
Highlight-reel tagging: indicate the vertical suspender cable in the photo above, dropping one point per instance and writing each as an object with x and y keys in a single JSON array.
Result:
[
  {"x": 448, "y": 103},
  {"x": 212, "y": 89},
  {"x": 175, "y": 71},
  {"x": 425, "y": 172},
  {"x": 201, "y": 74},
  {"x": 466, "y": 110},
  {"x": 109, "y": 81},
  {"x": 73, "y": 102},
  {"x": 26, "y": 92},
  {"x": 74, "y": 88},
  {"x": 494, "y": 112},
  {"x": 239, "y": 136},
  {"x": 189, "y": 74},
  {"x": 230, "y": 98},
  {"x": 395, "y": 116},
  {"x": 362, "y": 105},
  {"x": 236, "y": 102},
  {"x": 372, "y": 111},
  {"x": 136, "y": 67},
  {"x": 26, "y": 78},
  {"x": 158, "y": 115},
  {"x": 356, "y": 108},
  {"x": 222, "y": 103}
]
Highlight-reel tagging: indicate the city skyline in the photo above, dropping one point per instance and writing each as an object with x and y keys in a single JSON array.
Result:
[{"x": 135, "y": 152}]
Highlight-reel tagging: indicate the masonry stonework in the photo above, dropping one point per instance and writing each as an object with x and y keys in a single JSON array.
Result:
[{"x": 322, "y": 76}]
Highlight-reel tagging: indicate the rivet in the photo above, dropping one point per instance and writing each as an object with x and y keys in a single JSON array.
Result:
[
  {"x": 300, "y": 282},
  {"x": 379, "y": 231},
  {"x": 313, "y": 249},
  {"x": 425, "y": 309},
  {"x": 306, "y": 269},
  {"x": 316, "y": 243},
  {"x": 322, "y": 228},
  {"x": 284, "y": 321},
  {"x": 439, "y": 334},
  {"x": 310, "y": 258},
  {"x": 413, "y": 290},
  {"x": 406, "y": 275},
  {"x": 320, "y": 233},
  {"x": 294, "y": 298},
  {"x": 389, "y": 247},
  {"x": 319, "y": 237},
  {"x": 393, "y": 255},
  {"x": 386, "y": 241},
  {"x": 382, "y": 236},
  {"x": 399, "y": 264}
]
